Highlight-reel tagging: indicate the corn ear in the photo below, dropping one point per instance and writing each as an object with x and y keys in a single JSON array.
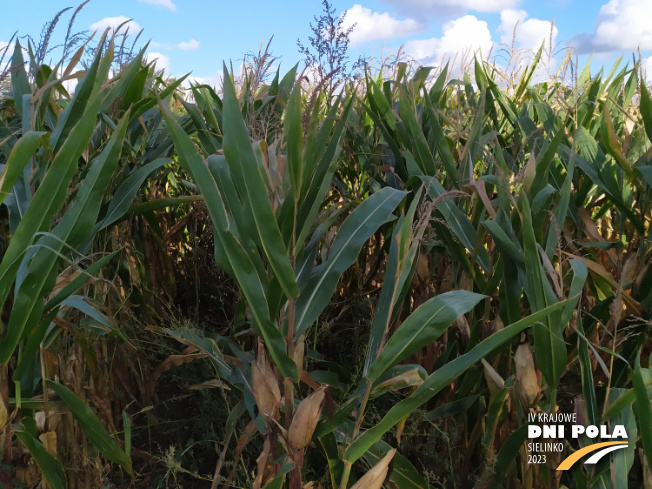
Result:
[
  {"x": 305, "y": 420},
  {"x": 266, "y": 390},
  {"x": 526, "y": 374},
  {"x": 494, "y": 381},
  {"x": 376, "y": 476}
]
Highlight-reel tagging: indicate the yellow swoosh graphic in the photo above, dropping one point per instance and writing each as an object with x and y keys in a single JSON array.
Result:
[{"x": 570, "y": 460}]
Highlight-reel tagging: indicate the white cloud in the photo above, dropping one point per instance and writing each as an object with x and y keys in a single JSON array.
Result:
[
  {"x": 529, "y": 36},
  {"x": 621, "y": 25},
  {"x": 530, "y": 33},
  {"x": 463, "y": 36},
  {"x": 213, "y": 81},
  {"x": 161, "y": 3},
  {"x": 449, "y": 6},
  {"x": 371, "y": 26},
  {"x": 162, "y": 61},
  {"x": 189, "y": 46},
  {"x": 114, "y": 22},
  {"x": 646, "y": 66},
  {"x": 70, "y": 85}
]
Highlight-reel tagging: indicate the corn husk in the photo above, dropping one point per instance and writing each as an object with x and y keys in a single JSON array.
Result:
[
  {"x": 423, "y": 268},
  {"x": 299, "y": 353},
  {"x": 526, "y": 374},
  {"x": 49, "y": 440},
  {"x": 265, "y": 385},
  {"x": 305, "y": 420},
  {"x": 496, "y": 325},
  {"x": 463, "y": 329},
  {"x": 376, "y": 476},
  {"x": 647, "y": 474},
  {"x": 4, "y": 415},
  {"x": 494, "y": 381},
  {"x": 39, "y": 419}
]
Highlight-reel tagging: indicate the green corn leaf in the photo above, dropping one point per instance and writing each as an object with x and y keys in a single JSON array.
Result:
[
  {"x": 561, "y": 209},
  {"x": 438, "y": 87},
  {"x": 46, "y": 202},
  {"x": 443, "y": 377},
  {"x": 240, "y": 154},
  {"x": 92, "y": 426},
  {"x": 20, "y": 82},
  {"x": 354, "y": 232},
  {"x": 123, "y": 197},
  {"x": 528, "y": 74},
  {"x": 506, "y": 245},
  {"x": 241, "y": 261},
  {"x": 623, "y": 460},
  {"x": 241, "y": 217},
  {"x": 420, "y": 148},
  {"x": 20, "y": 155},
  {"x": 442, "y": 145},
  {"x": 642, "y": 409},
  {"x": 592, "y": 166},
  {"x": 608, "y": 138},
  {"x": 457, "y": 220},
  {"x": 588, "y": 384},
  {"x": 508, "y": 453},
  {"x": 646, "y": 111},
  {"x": 72, "y": 229},
  {"x": 79, "y": 281},
  {"x": 130, "y": 83},
  {"x": 399, "y": 263},
  {"x": 423, "y": 327},
  {"x": 49, "y": 466},
  {"x": 294, "y": 137},
  {"x": 144, "y": 104},
  {"x": 548, "y": 341},
  {"x": 319, "y": 180},
  {"x": 86, "y": 91}
]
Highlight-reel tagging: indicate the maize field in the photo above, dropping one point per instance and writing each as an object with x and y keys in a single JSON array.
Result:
[{"x": 262, "y": 286}]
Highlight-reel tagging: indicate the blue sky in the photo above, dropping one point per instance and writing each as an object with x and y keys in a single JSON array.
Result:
[{"x": 197, "y": 35}]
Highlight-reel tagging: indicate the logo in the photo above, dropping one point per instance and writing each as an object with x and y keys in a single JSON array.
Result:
[
  {"x": 602, "y": 448},
  {"x": 551, "y": 428}
]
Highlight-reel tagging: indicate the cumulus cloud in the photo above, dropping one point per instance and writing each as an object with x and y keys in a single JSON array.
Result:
[
  {"x": 189, "y": 46},
  {"x": 162, "y": 61},
  {"x": 463, "y": 36},
  {"x": 372, "y": 26},
  {"x": 530, "y": 34},
  {"x": 161, "y": 3},
  {"x": 448, "y": 7},
  {"x": 71, "y": 85},
  {"x": 214, "y": 81},
  {"x": 647, "y": 69},
  {"x": 114, "y": 22},
  {"x": 621, "y": 25}
]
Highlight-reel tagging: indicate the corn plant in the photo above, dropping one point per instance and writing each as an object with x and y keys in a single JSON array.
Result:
[
  {"x": 270, "y": 211},
  {"x": 60, "y": 159},
  {"x": 532, "y": 167}
]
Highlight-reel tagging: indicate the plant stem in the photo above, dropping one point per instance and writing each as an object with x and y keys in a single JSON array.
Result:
[
  {"x": 363, "y": 406},
  {"x": 345, "y": 475},
  {"x": 5, "y": 474}
]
